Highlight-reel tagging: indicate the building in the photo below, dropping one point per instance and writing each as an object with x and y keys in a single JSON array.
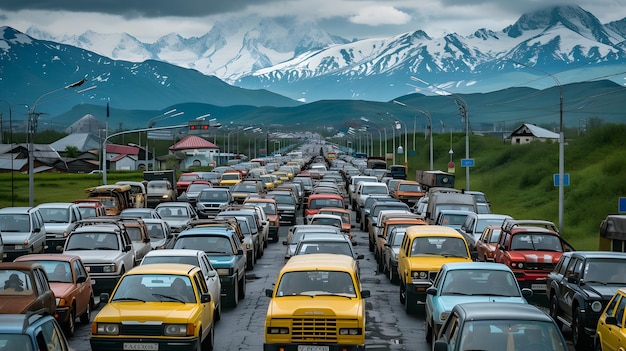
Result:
[
  {"x": 527, "y": 133},
  {"x": 198, "y": 152}
]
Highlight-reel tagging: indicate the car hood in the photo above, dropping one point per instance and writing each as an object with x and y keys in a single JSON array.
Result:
[
  {"x": 96, "y": 256},
  {"x": 536, "y": 256},
  {"x": 61, "y": 289},
  {"x": 56, "y": 228},
  {"x": 604, "y": 292},
  {"x": 172, "y": 312},
  {"x": 222, "y": 261},
  {"x": 331, "y": 306},
  {"x": 16, "y": 303},
  {"x": 14, "y": 238},
  {"x": 176, "y": 222},
  {"x": 433, "y": 262}
]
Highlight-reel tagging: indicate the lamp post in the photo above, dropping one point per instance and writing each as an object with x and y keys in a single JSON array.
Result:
[
  {"x": 32, "y": 127},
  {"x": 430, "y": 121},
  {"x": 380, "y": 137},
  {"x": 405, "y": 149},
  {"x": 464, "y": 116},
  {"x": 561, "y": 141},
  {"x": 11, "y": 143},
  {"x": 152, "y": 121}
]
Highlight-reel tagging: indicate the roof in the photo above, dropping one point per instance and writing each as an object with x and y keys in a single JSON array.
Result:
[
  {"x": 82, "y": 141},
  {"x": 531, "y": 129},
  {"x": 477, "y": 265},
  {"x": 502, "y": 311},
  {"x": 432, "y": 230},
  {"x": 331, "y": 262},
  {"x": 175, "y": 253},
  {"x": 597, "y": 254},
  {"x": 163, "y": 268},
  {"x": 193, "y": 142},
  {"x": 122, "y": 149}
]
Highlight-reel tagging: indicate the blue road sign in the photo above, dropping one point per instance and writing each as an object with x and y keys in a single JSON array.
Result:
[
  {"x": 565, "y": 179},
  {"x": 621, "y": 204},
  {"x": 467, "y": 162}
]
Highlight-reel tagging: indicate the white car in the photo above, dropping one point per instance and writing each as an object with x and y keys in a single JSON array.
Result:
[
  {"x": 177, "y": 214},
  {"x": 196, "y": 258}
]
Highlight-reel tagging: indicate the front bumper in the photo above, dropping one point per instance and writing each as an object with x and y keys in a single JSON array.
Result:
[
  {"x": 294, "y": 347},
  {"x": 117, "y": 343}
]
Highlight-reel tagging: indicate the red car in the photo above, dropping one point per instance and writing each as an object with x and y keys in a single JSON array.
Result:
[
  {"x": 71, "y": 285},
  {"x": 318, "y": 201},
  {"x": 25, "y": 288},
  {"x": 184, "y": 181}
]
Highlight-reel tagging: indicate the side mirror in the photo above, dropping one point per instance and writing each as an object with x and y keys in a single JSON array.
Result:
[
  {"x": 610, "y": 320},
  {"x": 211, "y": 274},
  {"x": 365, "y": 294},
  {"x": 81, "y": 279},
  {"x": 440, "y": 345},
  {"x": 526, "y": 292},
  {"x": 104, "y": 297},
  {"x": 572, "y": 279},
  {"x": 501, "y": 247},
  {"x": 239, "y": 252},
  {"x": 285, "y": 242},
  {"x": 204, "y": 298},
  {"x": 431, "y": 291},
  {"x": 269, "y": 292},
  {"x": 360, "y": 257},
  {"x": 128, "y": 248}
]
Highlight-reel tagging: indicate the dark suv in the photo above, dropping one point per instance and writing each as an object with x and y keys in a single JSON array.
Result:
[{"x": 580, "y": 286}]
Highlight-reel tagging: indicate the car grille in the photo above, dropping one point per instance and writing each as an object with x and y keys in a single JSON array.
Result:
[
  {"x": 314, "y": 329},
  {"x": 141, "y": 329},
  {"x": 540, "y": 266}
]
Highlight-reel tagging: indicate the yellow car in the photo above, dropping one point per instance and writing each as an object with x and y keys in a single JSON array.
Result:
[
  {"x": 424, "y": 249},
  {"x": 268, "y": 181},
  {"x": 317, "y": 304},
  {"x": 230, "y": 179},
  {"x": 283, "y": 176},
  {"x": 611, "y": 329},
  {"x": 156, "y": 307}
]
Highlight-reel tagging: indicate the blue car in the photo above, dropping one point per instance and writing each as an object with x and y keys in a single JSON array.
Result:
[
  {"x": 469, "y": 282},
  {"x": 30, "y": 332}
]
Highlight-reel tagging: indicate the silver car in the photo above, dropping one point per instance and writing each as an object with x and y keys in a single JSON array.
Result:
[{"x": 23, "y": 231}]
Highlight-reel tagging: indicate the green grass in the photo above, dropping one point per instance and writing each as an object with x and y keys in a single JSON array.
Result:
[{"x": 517, "y": 179}]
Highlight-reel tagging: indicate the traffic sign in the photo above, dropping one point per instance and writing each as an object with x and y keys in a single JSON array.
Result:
[
  {"x": 621, "y": 204},
  {"x": 565, "y": 179},
  {"x": 467, "y": 162}
]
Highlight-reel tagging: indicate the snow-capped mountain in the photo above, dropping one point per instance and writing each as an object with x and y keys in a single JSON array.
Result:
[{"x": 302, "y": 61}]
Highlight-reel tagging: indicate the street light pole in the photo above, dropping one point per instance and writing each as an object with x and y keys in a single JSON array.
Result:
[
  {"x": 561, "y": 141},
  {"x": 11, "y": 143},
  {"x": 32, "y": 125},
  {"x": 430, "y": 122},
  {"x": 152, "y": 122}
]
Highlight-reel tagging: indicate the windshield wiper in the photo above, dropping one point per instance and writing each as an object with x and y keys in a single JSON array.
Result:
[
  {"x": 128, "y": 299},
  {"x": 335, "y": 294},
  {"x": 169, "y": 297}
]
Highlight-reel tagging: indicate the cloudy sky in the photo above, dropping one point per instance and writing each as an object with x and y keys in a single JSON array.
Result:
[{"x": 149, "y": 19}]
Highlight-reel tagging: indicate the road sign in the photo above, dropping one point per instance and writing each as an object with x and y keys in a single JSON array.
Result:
[
  {"x": 467, "y": 162},
  {"x": 621, "y": 204},
  {"x": 565, "y": 179},
  {"x": 160, "y": 135}
]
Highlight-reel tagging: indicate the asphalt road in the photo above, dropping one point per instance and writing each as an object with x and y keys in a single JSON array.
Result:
[{"x": 388, "y": 326}]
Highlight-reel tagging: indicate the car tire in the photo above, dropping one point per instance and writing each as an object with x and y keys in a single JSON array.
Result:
[
  {"x": 234, "y": 299},
  {"x": 207, "y": 343},
  {"x": 86, "y": 317},
  {"x": 393, "y": 275},
  {"x": 217, "y": 314},
  {"x": 429, "y": 332},
  {"x": 242, "y": 287},
  {"x": 402, "y": 293},
  {"x": 554, "y": 311},
  {"x": 579, "y": 338},
  {"x": 69, "y": 327}
]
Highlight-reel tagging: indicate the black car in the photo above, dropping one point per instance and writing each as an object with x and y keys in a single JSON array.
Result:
[
  {"x": 499, "y": 326},
  {"x": 580, "y": 286}
]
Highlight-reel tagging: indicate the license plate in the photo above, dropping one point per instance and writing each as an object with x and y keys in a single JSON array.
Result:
[
  {"x": 313, "y": 348},
  {"x": 141, "y": 346},
  {"x": 538, "y": 286}
]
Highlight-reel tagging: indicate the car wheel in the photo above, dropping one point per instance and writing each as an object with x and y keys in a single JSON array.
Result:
[
  {"x": 234, "y": 299},
  {"x": 217, "y": 314},
  {"x": 579, "y": 338},
  {"x": 597, "y": 345},
  {"x": 393, "y": 275},
  {"x": 207, "y": 343},
  {"x": 429, "y": 332},
  {"x": 554, "y": 311},
  {"x": 402, "y": 293},
  {"x": 242, "y": 287},
  {"x": 69, "y": 327},
  {"x": 86, "y": 317}
]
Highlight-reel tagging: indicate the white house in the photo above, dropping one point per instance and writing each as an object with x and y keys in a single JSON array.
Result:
[{"x": 527, "y": 133}]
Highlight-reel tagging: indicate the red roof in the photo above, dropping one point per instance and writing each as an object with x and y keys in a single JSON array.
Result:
[
  {"x": 122, "y": 149},
  {"x": 193, "y": 142}
]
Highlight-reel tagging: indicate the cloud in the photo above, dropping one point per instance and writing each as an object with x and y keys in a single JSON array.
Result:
[
  {"x": 380, "y": 15},
  {"x": 136, "y": 8}
]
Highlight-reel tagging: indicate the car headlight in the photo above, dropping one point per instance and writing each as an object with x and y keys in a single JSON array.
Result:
[
  {"x": 108, "y": 328},
  {"x": 443, "y": 316},
  {"x": 596, "y": 306},
  {"x": 178, "y": 329},
  {"x": 165, "y": 196},
  {"x": 277, "y": 330},
  {"x": 111, "y": 268},
  {"x": 350, "y": 331},
  {"x": 419, "y": 275},
  {"x": 518, "y": 265}
]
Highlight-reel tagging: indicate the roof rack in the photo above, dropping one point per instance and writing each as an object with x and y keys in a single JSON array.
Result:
[{"x": 509, "y": 224}]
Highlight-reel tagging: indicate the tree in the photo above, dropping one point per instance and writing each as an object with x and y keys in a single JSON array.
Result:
[{"x": 71, "y": 151}]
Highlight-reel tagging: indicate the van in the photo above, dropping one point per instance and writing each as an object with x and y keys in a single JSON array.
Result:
[
  {"x": 317, "y": 300},
  {"x": 448, "y": 200},
  {"x": 114, "y": 198}
]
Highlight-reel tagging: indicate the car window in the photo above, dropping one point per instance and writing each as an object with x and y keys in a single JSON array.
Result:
[
  {"x": 619, "y": 314},
  {"x": 53, "y": 337}
]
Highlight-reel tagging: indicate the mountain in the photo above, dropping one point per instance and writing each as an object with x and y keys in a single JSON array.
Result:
[
  {"x": 36, "y": 72},
  {"x": 304, "y": 62}
]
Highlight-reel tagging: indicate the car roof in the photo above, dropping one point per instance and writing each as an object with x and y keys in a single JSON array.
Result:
[
  {"x": 175, "y": 253},
  {"x": 47, "y": 257},
  {"x": 19, "y": 323},
  {"x": 597, "y": 254},
  {"x": 324, "y": 237},
  {"x": 18, "y": 210},
  {"x": 490, "y": 266},
  {"x": 432, "y": 230},
  {"x": 319, "y": 262},
  {"x": 501, "y": 311}
]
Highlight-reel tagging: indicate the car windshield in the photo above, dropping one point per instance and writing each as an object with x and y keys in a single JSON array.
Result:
[
  {"x": 92, "y": 241},
  {"x": 17, "y": 223},
  {"x": 397, "y": 239},
  {"x": 15, "y": 342},
  {"x": 57, "y": 271},
  {"x": 173, "y": 212},
  {"x": 605, "y": 270},
  {"x": 536, "y": 242},
  {"x": 137, "y": 212},
  {"x": 158, "y": 185},
  {"x": 437, "y": 245},
  {"x": 341, "y": 248},
  {"x": 210, "y": 244},
  {"x": 156, "y": 231},
  {"x": 154, "y": 288},
  {"x": 316, "y": 283},
  {"x": 413, "y": 188},
  {"x": 54, "y": 215},
  {"x": 134, "y": 233},
  {"x": 510, "y": 335},
  {"x": 319, "y": 203},
  {"x": 213, "y": 196},
  {"x": 196, "y": 188},
  {"x": 479, "y": 282}
]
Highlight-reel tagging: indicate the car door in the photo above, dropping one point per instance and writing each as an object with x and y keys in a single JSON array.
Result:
[
  {"x": 207, "y": 307},
  {"x": 83, "y": 295},
  {"x": 567, "y": 288},
  {"x": 614, "y": 338},
  {"x": 211, "y": 277}
]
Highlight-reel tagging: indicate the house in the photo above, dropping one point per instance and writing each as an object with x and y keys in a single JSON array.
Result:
[
  {"x": 527, "y": 133},
  {"x": 198, "y": 151},
  {"x": 122, "y": 157},
  {"x": 81, "y": 141}
]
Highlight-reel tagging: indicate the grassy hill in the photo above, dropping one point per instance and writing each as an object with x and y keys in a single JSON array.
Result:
[{"x": 517, "y": 179}]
